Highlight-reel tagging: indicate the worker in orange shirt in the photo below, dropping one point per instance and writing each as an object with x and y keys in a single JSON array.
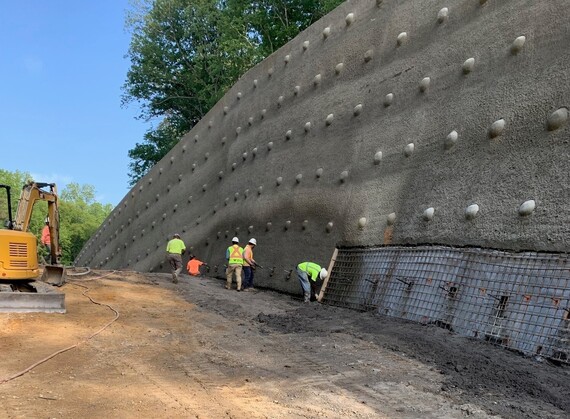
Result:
[
  {"x": 193, "y": 266},
  {"x": 46, "y": 237},
  {"x": 249, "y": 265}
]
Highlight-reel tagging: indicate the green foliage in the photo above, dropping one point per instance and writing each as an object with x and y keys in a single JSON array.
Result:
[
  {"x": 156, "y": 144},
  {"x": 185, "y": 54},
  {"x": 278, "y": 21},
  {"x": 80, "y": 215},
  {"x": 16, "y": 180}
]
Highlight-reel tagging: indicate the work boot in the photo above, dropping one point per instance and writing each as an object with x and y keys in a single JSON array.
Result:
[{"x": 307, "y": 298}]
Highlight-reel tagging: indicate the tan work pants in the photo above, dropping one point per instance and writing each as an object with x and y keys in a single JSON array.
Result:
[
  {"x": 229, "y": 275},
  {"x": 175, "y": 261}
]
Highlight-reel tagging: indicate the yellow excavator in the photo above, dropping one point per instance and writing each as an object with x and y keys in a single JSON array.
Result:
[{"x": 21, "y": 288}]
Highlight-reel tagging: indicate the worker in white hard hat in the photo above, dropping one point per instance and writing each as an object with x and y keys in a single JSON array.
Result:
[
  {"x": 249, "y": 265},
  {"x": 234, "y": 255},
  {"x": 310, "y": 271}
]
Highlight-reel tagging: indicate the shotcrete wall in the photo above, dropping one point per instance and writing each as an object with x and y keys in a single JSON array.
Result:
[{"x": 400, "y": 122}]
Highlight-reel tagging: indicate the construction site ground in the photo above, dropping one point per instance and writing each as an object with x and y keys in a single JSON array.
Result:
[{"x": 196, "y": 350}]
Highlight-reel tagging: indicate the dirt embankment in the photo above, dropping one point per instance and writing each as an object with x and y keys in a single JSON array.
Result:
[{"x": 197, "y": 350}]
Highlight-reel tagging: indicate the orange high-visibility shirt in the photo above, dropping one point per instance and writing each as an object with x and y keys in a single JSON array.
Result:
[
  {"x": 46, "y": 238},
  {"x": 194, "y": 266},
  {"x": 247, "y": 254}
]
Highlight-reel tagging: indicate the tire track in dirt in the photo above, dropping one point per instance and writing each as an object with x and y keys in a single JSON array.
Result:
[
  {"x": 149, "y": 381},
  {"x": 298, "y": 369},
  {"x": 309, "y": 369}
]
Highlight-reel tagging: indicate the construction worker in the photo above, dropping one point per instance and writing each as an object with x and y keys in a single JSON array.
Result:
[
  {"x": 249, "y": 265},
  {"x": 312, "y": 271},
  {"x": 234, "y": 255},
  {"x": 46, "y": 237},
  {"x": 193, "y": 266},
  {"x": 175, "y": 249}
]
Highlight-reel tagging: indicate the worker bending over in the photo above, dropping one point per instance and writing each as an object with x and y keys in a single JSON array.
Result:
[
  {"x": 312, "y": 271},
  {"x": 193, "y": 266},
  {"x": 234, "y": 255}
]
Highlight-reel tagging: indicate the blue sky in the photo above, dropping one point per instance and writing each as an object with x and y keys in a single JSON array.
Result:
[{"x": 62, "y": 66}]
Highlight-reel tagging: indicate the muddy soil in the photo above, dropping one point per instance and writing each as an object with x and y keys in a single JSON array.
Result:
[{"x": 196, "y": 350}]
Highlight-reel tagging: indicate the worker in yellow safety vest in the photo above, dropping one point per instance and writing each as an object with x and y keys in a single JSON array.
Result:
[
  {"x": 234, "y": 255},
  {"x": 312, "y": 271}
]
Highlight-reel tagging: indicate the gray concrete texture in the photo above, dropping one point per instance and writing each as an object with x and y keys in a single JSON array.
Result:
[{"x": 301, "y": 193}]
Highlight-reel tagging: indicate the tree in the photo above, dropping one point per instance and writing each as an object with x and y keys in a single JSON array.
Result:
[
  {"x": 185, "y": 54},
  {"x": 276, "y": 22},
  {"x": 16, "y": 180},
  {"x": 80, "y": 217},
  {"x": 156, "y": 144}
]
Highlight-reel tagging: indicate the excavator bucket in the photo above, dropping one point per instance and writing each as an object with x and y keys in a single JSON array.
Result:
[{"x": 53, "y": 275}]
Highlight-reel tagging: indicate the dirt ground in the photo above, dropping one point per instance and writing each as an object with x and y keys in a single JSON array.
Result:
[{"x": 196, "y": 350}]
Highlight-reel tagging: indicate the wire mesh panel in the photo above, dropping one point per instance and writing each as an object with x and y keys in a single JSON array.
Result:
[{"x": 517, "y": 300}]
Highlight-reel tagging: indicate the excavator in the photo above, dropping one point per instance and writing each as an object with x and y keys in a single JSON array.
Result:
[{"x": 21, "y": 287}]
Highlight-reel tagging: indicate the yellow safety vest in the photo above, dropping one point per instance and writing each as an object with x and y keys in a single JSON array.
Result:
[
  {"x": 236, "y": 255},
  {"x": 312, "y": 269}
]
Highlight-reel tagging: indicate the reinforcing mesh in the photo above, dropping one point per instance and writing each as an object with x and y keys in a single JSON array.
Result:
[{"x": 516, "y": 300}]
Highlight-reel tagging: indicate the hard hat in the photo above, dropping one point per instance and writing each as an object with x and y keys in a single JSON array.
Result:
[
  {"x": 323, "y": 273},
  {"x": 253, "y": 241},
  {"x": 235, "y": 240},
  {"x": 176, "y": 235}
]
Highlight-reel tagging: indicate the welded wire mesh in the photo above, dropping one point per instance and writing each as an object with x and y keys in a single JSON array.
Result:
[{"x": 517, "y": 300}]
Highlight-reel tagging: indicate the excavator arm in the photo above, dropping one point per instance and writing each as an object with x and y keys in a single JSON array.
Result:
[{"x": 33, "y": 192}]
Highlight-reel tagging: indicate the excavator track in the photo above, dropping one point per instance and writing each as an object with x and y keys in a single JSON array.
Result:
[{"x": 30, "y": 297}]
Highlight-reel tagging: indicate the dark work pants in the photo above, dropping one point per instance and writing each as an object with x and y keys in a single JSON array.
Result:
[{"x": 247, "y": 277}]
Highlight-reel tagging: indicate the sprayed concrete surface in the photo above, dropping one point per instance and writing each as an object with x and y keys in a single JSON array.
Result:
[
  {"x": 391, "y": 122},
  {"x": 196, "y": 350}
]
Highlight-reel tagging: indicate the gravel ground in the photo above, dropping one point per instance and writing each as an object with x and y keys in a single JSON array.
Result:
[{"x": 198, "y": 350}]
